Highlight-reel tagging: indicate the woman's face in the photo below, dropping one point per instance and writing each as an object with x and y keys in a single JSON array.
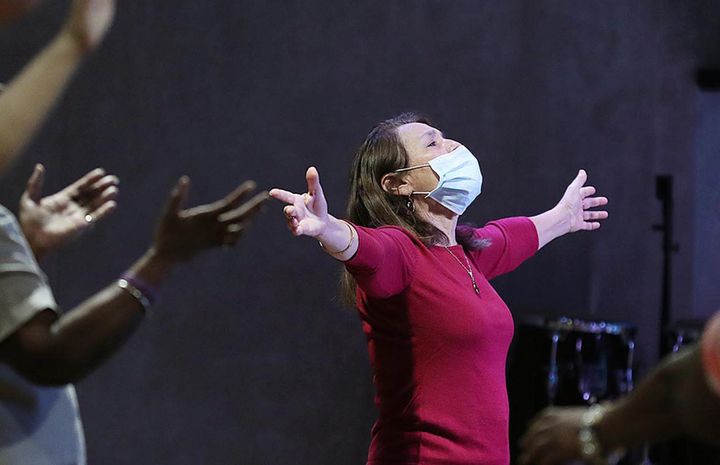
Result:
[{"x": 423, "y": 143}]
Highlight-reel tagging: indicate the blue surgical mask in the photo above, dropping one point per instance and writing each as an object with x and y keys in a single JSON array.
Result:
[{"x": 460, "y": 179}]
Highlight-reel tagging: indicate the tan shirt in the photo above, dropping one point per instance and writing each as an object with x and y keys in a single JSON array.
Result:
[{"x": 38, "y": 425}]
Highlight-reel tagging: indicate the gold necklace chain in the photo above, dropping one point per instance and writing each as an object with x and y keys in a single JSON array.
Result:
[{"x": 468, "y": 268}]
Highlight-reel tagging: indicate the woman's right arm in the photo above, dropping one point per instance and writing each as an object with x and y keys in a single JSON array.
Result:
[
  {"x": 379, "y": 259},
  {"x": 307, "y": 215}
]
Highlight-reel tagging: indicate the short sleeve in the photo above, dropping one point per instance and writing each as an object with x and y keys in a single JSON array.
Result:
[
  {"x": 710, "y": 347},
  {"x": 24, "y": 290},
  {"x": 510, "y": 242},
  {"x": 383, "y": 263}
]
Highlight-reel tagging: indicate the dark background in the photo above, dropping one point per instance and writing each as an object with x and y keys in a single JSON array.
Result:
[{"x": 250, "y": 358}]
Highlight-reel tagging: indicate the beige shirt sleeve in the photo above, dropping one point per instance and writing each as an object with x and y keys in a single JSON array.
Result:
[{"x": 24, "y": 290}]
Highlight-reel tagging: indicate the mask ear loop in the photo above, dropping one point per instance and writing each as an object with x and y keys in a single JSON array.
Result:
[{"x": 410, "y": 204}]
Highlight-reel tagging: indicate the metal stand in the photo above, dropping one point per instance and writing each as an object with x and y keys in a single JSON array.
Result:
[{"x": 664, "y": 193}]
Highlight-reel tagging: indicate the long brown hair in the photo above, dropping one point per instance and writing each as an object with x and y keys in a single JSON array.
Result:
[{"x": 370, "y": 205}]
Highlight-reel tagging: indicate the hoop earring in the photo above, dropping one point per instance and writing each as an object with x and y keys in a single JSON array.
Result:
[{"x": 410, "y": 204}]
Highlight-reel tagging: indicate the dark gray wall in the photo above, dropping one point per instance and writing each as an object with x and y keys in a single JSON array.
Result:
[
  {"x": 249, "y": 358},
  {"x": 707, "y": 205}
]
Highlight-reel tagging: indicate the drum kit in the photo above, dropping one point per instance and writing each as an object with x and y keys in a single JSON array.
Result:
[
  {"x": 589, "y": 361},
  {"x": 570, "y": 361}
]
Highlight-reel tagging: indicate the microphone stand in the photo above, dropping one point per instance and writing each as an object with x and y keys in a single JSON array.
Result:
[{"x": 664, "y": 193}]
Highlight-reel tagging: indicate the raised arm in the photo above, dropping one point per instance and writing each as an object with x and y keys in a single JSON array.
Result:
[
  {"x": 307, "y": 215},
  {"x": 379, "y": 259},
  {"x": 572, "y": 213},
  {"x": 51, "y": 350},
  {"x": 29, "y": 97}
]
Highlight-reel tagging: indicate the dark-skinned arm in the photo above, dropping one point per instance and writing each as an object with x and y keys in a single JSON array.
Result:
[
  {"x": 52, "y": 350},
  {"x": 674, "y": 399}
]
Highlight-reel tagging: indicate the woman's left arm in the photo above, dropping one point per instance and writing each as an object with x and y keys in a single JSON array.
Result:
[{"x": 572, "y": 213}]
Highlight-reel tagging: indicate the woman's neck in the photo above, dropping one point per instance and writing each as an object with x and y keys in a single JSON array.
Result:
[{"x": 440, "y": 217}]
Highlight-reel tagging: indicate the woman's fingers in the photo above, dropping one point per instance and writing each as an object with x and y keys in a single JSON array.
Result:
[
  {"x": 593, "y": 202},
  {"x": 579, "y": 180},
  {"x": 283, "y": 195},
  {"x": 289, "y": 212},
  {"x": 302, "y": 210},
  {"x": 594, "y": 215},
  {"x": 315, "y": 198},
  {"x": 313, "y": 182},
  {"x": 587, "y": 191}
]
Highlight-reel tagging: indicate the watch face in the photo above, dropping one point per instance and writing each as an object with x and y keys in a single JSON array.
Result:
[{"x": 13, "y": 9}]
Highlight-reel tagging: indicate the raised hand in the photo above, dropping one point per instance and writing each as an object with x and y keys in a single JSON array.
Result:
[
  {"x": 306, "y": 214},
  {"x": 89, "y": 21},
  {"x": 53, "y": 221},
  {"x": 181, "y": 234},
  {"x": 577, "y": 202}
]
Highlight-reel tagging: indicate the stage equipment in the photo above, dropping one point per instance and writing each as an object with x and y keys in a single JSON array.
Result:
[
  {"x": 664, "y": 193},
  {"x": 567, "y": 361}
]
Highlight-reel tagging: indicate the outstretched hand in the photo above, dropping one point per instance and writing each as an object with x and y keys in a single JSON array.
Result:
[
  {"x": 182, "y": 234},
  {"x": 306, "y": 214},
  {"x": 89, "y": 21},
  {"x": 577, "y": 202},
  {"x": 53, "y": 221}
]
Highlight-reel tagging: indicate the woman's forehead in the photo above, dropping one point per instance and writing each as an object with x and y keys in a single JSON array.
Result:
[{"x": 414, "y": 133}]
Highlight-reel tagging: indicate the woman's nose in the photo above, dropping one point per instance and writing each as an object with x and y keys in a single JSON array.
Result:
[{"x": 451, "y": 145}]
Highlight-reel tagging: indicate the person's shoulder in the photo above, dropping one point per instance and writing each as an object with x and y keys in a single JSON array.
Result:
[
  {"x": 6, "y": 217},
  {"x": 9, "y": 227},
  {"x": 15, "y": 253},
  {"x": 397, "y": 234},
  {"x": 399, "y": 231}
]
